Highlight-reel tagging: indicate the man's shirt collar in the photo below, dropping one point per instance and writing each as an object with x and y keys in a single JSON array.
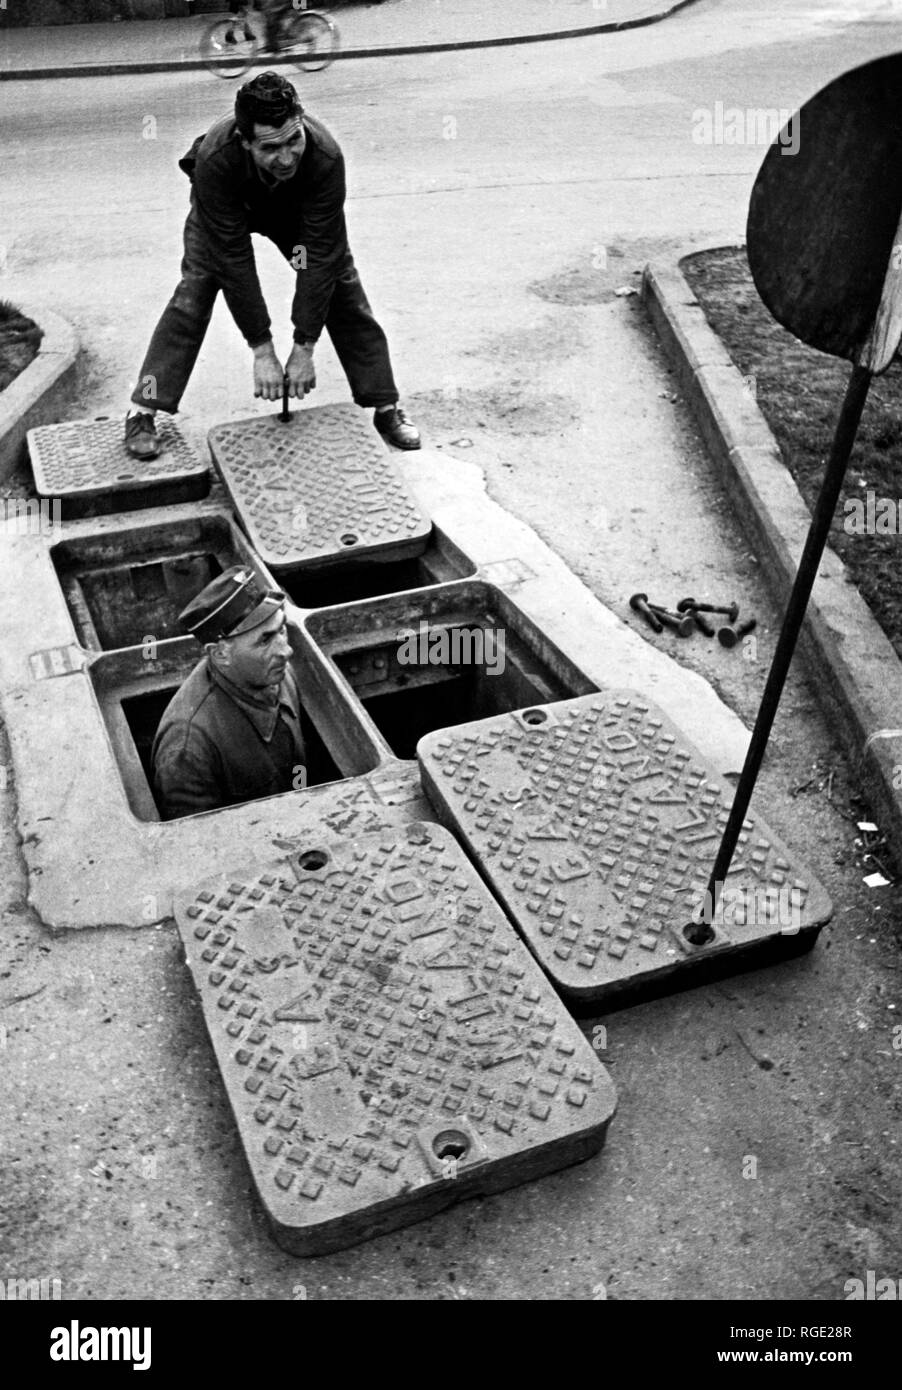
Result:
[{"x": 263, "y": 714}]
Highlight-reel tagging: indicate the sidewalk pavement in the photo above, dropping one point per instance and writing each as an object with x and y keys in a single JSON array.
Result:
[{"x": 400, "y": 26}]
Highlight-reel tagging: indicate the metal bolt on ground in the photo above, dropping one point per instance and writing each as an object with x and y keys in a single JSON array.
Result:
[
  {"x": 639, "y": 604},
  {"x": 729, "y": 636},
  {"x": 731, "y": 611},
  {"x": 680, "y": 623}
]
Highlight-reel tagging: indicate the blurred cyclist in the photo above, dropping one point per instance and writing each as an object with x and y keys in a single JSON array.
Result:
[{"x": 273, "y": 12}]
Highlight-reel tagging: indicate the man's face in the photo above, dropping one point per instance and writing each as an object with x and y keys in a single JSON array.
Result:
[
  {"x": 257, "y": 658},
  {"x": 277, "y": 151}
]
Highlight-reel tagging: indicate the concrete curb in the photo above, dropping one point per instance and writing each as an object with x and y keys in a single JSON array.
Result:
[
  {"x": 859, "y": 674},
  {"x": 346, "y": 55},
  {"x": 37, "y": 395}
]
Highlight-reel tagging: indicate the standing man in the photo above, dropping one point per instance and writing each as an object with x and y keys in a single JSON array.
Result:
[
  {"x": 274, "y": 170},
  {"x": 232, "y": 731}
]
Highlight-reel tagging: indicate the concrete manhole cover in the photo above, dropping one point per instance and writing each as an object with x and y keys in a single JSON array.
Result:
[
  {"x": 318, "y": 487},
  {"x": 85, "y": 464},
  {"x": 597, "y": 823},
  {"x": 387, "y": 1043}
]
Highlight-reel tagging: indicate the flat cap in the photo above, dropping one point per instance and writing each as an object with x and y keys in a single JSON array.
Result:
[{"x": 235, "y": 601}]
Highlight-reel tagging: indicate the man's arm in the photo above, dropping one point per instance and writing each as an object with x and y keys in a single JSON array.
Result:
[
  {"x": 186, "y": 774},
  {"x": 223, "y": 218},
  {"x": 321, "y": 248}
]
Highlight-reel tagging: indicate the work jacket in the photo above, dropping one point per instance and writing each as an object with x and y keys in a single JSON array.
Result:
[
  {"x": 303, "y": 215},
  {"x": 217, "y": 747}
]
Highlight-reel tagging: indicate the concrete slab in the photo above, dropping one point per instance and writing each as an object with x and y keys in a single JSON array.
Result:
[
  {"x": 86, "y": 465},
  {"x": 87, "y": 868},
  {"x": 388, "y": 1045},
  {"x": 317, "y": 487},
  {"x": 597, "y": 823}
]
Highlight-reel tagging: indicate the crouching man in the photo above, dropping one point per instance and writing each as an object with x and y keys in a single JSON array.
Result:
[
  {"x": 232, "y": 732},
  {"x": 273, "y": 169}
]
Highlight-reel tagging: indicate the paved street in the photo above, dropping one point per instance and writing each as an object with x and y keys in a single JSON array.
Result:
[{"x": 498, "y": 201}]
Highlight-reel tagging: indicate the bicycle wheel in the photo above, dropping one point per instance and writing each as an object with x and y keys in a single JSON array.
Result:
[
  {"x": 313, "y": 38},
  {"x": 215, "y": 45}
]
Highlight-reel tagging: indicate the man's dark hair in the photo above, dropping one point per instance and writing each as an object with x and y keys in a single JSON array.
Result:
[{"x": 267, "y": 100}]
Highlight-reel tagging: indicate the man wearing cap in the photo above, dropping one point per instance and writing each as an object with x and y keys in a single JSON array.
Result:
[
  {"x": 232, "y": 732},
  {"x": 276, "y": 170}
]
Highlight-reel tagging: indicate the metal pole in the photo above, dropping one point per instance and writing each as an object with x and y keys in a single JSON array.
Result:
[
  {"x": 843, "y": 441},
  {"x": 286, "y": 414}
]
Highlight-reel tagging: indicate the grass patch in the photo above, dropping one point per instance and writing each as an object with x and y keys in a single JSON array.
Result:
[
  {"x": 799, "y": 391},
  {"x": 20, "y": 339}
]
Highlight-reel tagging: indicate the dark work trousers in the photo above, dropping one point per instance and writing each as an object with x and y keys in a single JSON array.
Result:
[{"x": 358, "y": 340}]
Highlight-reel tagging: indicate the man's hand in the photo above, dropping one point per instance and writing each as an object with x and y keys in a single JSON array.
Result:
[
  {"x": 267, "y": 373},
  {"x": 300, "y": 370}
]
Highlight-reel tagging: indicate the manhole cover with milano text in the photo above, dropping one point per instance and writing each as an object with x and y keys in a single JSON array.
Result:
[
  {"x": 596, "y": 823},
  {"x": 318, "y": 488},
  {"x": 387, "y": 1043}
]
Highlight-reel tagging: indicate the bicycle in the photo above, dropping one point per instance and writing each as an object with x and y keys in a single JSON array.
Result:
[{"x": 312, "y": 35}]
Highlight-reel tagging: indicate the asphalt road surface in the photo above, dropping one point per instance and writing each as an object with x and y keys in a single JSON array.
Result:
[{"x": 498, "y": 201}]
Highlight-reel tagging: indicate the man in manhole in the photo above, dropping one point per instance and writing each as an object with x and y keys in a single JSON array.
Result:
[
  {"x": 232, "y": 732},
  {"x": 276, "y": 170}
]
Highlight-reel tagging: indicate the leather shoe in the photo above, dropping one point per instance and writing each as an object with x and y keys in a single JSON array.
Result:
[
  {"x": 394, "y": 426},
  {"x": 141, "y": 439}
]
